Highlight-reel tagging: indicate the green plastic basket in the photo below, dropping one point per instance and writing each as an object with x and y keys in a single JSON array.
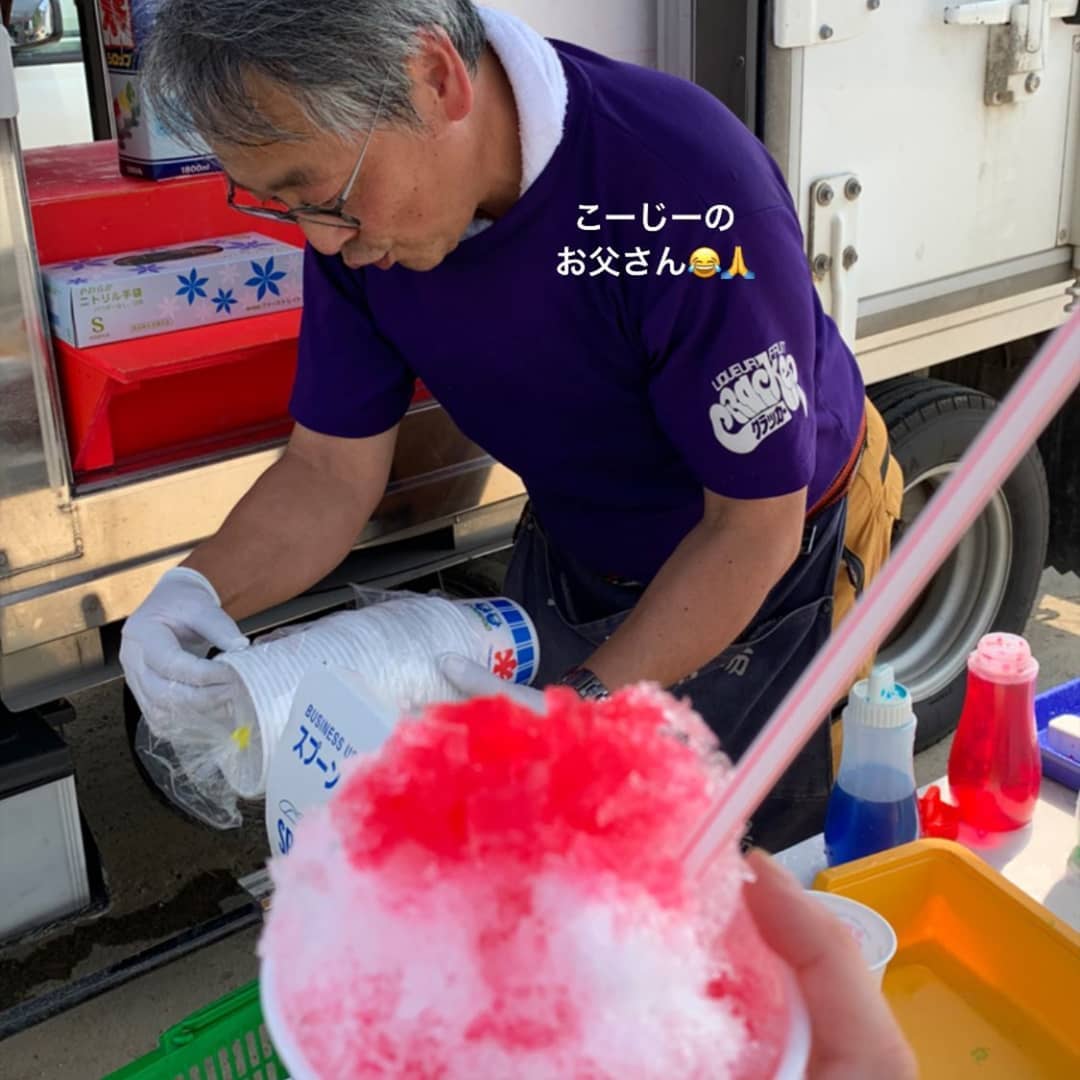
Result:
[{"x": 223, "y": 1041}]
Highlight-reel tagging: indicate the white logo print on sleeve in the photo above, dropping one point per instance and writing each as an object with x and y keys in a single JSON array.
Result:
[{"x": 758, "y": 397}]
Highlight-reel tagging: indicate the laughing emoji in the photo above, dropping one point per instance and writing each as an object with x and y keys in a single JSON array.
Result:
[{"x": 704, "y": 263}]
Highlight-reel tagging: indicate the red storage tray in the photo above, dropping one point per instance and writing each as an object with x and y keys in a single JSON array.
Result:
[
  {"x": 152, "y": 400},
  {"x": 82, "y": 206},
  {"x": 167, "y": 397}
]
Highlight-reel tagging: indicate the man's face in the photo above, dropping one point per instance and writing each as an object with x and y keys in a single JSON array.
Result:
[{"x": 415, "y": 193}]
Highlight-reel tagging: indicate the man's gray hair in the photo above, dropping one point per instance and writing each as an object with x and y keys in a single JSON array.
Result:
[{"x": 333, "y": 57}]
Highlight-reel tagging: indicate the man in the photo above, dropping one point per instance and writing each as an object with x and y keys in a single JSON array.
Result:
[{"x": 512, "y": 220}]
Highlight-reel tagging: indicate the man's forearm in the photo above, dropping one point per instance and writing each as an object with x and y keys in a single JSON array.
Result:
[
  {"x": 290, "y": 530},
  {"x": 704, "y": 596}
]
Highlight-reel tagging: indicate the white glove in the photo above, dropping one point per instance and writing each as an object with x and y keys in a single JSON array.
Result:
[
  {"x": 476, "y": 681},
  {"x": 163, "y": 646}
]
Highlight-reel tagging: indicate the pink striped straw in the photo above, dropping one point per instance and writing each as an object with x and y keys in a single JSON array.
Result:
[{"x": 1012, "y": 429}]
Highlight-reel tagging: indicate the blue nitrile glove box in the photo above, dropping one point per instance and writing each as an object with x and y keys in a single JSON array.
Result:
[{"x": 174, "y": 287}]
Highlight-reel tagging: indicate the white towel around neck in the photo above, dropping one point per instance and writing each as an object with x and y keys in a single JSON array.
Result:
[{"x": 538, "y": 82}]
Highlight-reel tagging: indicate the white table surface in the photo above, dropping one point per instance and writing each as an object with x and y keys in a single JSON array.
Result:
[{"x": 1033, "y": 858}]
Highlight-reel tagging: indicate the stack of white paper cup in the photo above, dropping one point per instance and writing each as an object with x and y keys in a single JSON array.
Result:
[{"x": 393, "y": 647}]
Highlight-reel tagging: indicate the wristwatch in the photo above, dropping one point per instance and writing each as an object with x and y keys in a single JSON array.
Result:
[{"x": 585, "y": 684}]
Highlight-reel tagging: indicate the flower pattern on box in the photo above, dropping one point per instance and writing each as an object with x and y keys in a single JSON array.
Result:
[
  {"x": 191, "y": 286},
  {"x": 81, "y": 264},
  {"x": 98, "y": 299},
  {"x": 264, "y": 278},
  {"x": 223, "y": 302}
]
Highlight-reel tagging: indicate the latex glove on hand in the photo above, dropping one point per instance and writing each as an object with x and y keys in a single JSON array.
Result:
[
  {"x": 163, "y": 649},
  {"x": 475, "y": 681}
]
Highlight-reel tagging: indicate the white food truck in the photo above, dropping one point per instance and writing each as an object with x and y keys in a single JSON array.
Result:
[{"x": 931, "y": 147}]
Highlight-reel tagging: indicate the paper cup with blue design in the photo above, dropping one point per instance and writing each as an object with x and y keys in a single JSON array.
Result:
[{"x": 508, "y": 638}]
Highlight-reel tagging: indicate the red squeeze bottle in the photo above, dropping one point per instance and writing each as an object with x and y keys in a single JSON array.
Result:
[{"x": 994, "y": 764}]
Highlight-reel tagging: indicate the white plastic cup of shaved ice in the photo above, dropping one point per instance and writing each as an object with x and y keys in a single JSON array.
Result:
[
  {"x": 797, "y": 1051},
  {"x": 288, "y": 1049},
  {"x": 792, "y": 1064},
  {"x": 872, "y": 932},
  {"x": 454, "y": 908}
]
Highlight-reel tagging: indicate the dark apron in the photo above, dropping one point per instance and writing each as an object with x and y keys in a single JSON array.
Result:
[{"x": 576, "y": 610}]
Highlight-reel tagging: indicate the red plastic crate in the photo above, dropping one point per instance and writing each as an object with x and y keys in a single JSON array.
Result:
[
  {"x": 82, "y": 206},
  {"x": 192, "y": 391},
  {"x": 171, "y": 396}
]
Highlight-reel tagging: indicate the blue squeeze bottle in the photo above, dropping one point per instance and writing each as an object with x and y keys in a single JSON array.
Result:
[{"x": 873, "y": 805}]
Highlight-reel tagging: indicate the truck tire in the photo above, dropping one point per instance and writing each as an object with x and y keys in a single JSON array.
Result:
[{"x": 991, "y": 579}]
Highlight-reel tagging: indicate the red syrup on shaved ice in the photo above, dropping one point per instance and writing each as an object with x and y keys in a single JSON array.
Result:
[{"x": 498, "y": 894}]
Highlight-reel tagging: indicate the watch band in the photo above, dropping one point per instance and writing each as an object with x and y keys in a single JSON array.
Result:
[{"x": 585, "y": 684}]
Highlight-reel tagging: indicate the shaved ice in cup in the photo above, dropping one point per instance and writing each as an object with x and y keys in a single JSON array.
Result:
[{"x": 498, "y": 894}]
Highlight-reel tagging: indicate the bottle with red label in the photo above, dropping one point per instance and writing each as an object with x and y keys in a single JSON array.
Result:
[{"x": 994, "y": 764}]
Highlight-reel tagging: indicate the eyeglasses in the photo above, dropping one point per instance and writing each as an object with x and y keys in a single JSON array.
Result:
[{"x": 333, "y": 216}]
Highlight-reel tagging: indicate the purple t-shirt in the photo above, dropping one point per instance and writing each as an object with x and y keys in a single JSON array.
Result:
[{"x": 566, "y": 344}]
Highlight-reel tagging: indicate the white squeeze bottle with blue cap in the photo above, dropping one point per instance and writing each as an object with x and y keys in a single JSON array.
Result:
[{"x": 873, "y": 806}]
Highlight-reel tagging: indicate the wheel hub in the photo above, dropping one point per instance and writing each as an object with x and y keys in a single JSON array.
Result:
[{"x": 931, "y": 644}]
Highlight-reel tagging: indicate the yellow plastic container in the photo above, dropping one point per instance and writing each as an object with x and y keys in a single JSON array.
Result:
[{"x": 985, "y": 982}]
